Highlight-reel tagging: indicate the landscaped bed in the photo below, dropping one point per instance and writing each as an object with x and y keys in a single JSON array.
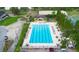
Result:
[
  {"x": 22, "y": 36},
  {"x": 9, "y": 21}
]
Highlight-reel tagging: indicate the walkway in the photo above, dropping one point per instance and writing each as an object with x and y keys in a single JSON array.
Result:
[{"x": 14, "y": 32}]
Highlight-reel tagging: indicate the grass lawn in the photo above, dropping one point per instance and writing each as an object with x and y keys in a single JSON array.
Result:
[
  {"x": 22, "y": 36},
  {"x": 9, "y": 21}
]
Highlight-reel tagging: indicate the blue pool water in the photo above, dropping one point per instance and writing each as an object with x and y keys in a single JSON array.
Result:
[{"x": 40, "y": 34}]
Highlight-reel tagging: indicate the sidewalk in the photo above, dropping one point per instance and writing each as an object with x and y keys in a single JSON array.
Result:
[{"x": 16, "y": 30}]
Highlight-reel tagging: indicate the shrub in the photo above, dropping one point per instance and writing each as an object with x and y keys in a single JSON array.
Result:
[{"x": 21, "y": 38}]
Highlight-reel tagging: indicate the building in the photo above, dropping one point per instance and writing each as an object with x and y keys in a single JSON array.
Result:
[
  {"x": 3, "y": 15},
  {"x": 50, "y": 12},
  {"x": 3, "y": 36}
]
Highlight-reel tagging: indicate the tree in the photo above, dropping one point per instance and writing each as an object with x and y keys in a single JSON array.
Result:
[
  {"x": 35, "y": 8},
  {"x": 53, "y": 14},
  {"x": 67, "y": 25},
  {"x": 15, "y": 10},
  {"x": 75, "y": 38},
  {"x": 63, "y": 21},
  {"x": 31, "y": 18},
  {"x": 2, "y": 8},
  {"x": 77, "y": 25},
  {"x": 64, "y": 43},
  {"x": 68, "y": 29},
  {"x": 24, "y": 9}
]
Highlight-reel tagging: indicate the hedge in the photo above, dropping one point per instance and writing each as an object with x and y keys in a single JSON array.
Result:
[{"x": 22, "y": 36}]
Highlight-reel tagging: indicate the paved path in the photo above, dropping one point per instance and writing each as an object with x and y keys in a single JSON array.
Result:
[
  {"x": 14, "y": 32},
  {"x": 67, "y": 50},
  {"x": 45, "y": 50},
  {"x": 35, "y": 50}
]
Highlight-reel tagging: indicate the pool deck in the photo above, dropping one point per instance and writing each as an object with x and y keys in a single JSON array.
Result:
[{"x": 53, "y": 32}]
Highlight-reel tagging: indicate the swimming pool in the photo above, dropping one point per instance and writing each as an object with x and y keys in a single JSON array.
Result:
[{"x": 40, "y": 34}]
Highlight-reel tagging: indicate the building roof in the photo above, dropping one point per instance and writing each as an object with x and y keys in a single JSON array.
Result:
[
  {"x": 49, "y": 12},
  {"x": 1, "y": 13},
  {"x": 40, "y": 16},
  {"x": 45, "y": 12}
]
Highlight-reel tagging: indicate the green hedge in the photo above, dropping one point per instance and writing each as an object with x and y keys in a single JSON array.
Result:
[{"x": 22, "y": 36}]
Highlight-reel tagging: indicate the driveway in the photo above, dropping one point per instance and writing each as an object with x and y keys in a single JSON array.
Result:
[
  {"x": 3, "y": 33},
  {"x": 14, "y": 32}
]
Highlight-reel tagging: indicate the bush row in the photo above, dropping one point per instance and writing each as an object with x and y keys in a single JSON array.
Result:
[{"x": 22, "y": 36}]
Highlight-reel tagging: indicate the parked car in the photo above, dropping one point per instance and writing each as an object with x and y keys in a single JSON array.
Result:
[{"x": 3, "y": 15}]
